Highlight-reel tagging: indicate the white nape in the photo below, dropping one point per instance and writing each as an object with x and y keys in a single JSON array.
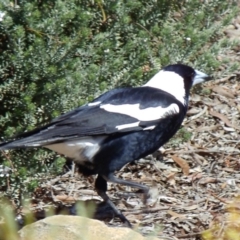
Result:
[
  {"x": 80, "y": 150},
  {"x": 170, "y": 82},
  {"x": 146, "y": 114}
]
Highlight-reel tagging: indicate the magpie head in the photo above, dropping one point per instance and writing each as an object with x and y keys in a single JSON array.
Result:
[
  {"x": 189, "y": 75},
  {"x": 177, "y": 80}
]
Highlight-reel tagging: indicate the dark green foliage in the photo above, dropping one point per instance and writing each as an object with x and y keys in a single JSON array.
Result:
[
  {"x": 57, "y": 55},
  {"x": 183, "y": 135}
]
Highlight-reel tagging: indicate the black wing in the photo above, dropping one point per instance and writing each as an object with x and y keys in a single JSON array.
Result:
[{"x": 119, "y": 110}]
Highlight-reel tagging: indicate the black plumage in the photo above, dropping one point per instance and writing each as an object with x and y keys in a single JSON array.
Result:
[{"x": 118, "y": 127}]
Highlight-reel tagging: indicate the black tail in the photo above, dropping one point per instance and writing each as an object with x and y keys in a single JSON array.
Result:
[
  {"x": 33, "y": 138},
  {"x": 21, "y": 143}
]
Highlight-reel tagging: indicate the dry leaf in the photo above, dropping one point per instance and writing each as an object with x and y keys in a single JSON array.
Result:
[
  {"x": 224, "y": 185},
  {"x": 190, "y": 208},
  {"x": 223, "y": 118},
  {"x": 208, "y": 180},
  {"x": 182, "y": 163},
  {"x": 223, "y": 91},
  {"x": 171, "y": 179},
  {"x": 175, "y": 215},
  {"x": 65, "y": 198},
  {"x": 196, "y": 176}
]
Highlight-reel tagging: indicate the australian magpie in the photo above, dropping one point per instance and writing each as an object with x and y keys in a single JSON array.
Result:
[{"x": 120, "y": 126}]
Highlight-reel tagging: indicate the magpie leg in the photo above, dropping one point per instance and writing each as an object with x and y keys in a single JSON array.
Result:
[
  {"x": 101, "y": 188},
  {"x": 145, "y": 189}
]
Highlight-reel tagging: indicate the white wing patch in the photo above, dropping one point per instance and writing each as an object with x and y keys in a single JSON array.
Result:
[
  {"x": 129, "y": 125},
  {"x": 147, "y": 114},
  {"x": 80, "y": 150},
  {"x": 169, "y": 82},
  {"x": 93, "y": 104},
  {"x": 149, "y": 128}
]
